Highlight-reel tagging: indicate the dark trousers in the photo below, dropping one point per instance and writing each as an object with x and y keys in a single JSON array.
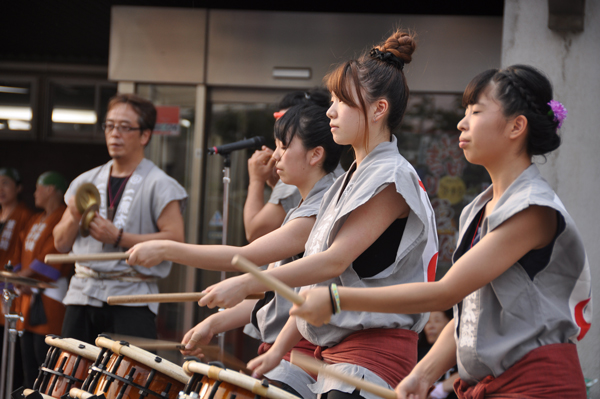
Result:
[
  {"x": 33, "y": 350},
  {"x": 86, "y": 322}
]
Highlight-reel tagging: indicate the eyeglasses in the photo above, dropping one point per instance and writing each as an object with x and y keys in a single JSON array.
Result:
[{"x": 108, "y": 127}]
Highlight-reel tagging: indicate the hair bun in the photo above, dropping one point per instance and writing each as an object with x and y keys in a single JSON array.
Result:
[
  {"x": 401, "y": 44},
  {"x": 387, "y": 57}
]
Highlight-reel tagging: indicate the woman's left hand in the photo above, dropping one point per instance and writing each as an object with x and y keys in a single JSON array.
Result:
[
  {"x": 225, "y": 294},
  {"x": 316, "y": 309}
]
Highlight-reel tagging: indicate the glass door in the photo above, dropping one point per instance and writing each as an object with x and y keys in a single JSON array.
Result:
[
  {"x": 232, "y": 118},
  {"x": 171, "y": 149}
]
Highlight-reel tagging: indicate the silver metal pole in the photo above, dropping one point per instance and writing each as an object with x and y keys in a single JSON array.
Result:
[
  {"x": 4, "y": 359},
  {"x": 8, "y": 355},
  {"x": 226, "y": 181},
  {"x": 10, "y": 322}
]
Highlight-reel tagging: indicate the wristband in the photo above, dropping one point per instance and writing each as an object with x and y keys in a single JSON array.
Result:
[
  {"x": 336, "y": 296},
  {"x": 332, "y": 301},
  {"x": 119, "y": 237}
]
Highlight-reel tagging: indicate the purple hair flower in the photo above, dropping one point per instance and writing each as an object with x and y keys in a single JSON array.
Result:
[{"x": 559, "y": 112}]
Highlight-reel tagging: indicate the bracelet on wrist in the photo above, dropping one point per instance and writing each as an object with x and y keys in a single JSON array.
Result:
[
  {"x": 118, "y": 241},
  {"x": 336, "y": 296},
  {"x": 332, "y": 300}
]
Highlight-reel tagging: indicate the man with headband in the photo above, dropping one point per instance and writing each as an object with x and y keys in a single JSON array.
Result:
[
  {"x": 42, "y": 309},
  {"x": 138, "y": 202}
]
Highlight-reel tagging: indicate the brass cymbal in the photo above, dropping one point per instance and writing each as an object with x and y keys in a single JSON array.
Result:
[
  {"x": 86, "y": 219},
  {"x": 87, "y": 195},
  {"x": 14, "y": 278}
]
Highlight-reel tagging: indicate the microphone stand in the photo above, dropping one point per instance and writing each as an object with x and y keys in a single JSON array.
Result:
[
  {"x": 226, "y": 181},
  {"x": 226, "y": 154}
]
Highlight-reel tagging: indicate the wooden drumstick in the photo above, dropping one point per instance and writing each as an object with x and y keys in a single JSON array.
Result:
[
  {"x": 79, "y": 393},
  {"x": 315, "y": 366},
  {"x": 70, "y": 258},
  {"x": 166, "y": 298},
  {"x": 282, "y": 289}
]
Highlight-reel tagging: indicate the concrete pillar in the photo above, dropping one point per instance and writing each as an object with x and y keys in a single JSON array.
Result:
[{"x": 572, "y": 62}]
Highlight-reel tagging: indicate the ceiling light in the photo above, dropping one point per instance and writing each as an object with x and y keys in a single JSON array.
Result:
[
  {"x": 63, "y": 115},
  {"x": 22, "y": 113},
  {"x": 14, "y": 90},
  {"x": 19, "y": 125}
]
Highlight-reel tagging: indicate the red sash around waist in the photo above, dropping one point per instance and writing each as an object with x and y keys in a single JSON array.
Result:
[
  {"x": 304, "y": 347},
  {"x": 391, "y": 353},
  {"x": 550, "y": 371}
]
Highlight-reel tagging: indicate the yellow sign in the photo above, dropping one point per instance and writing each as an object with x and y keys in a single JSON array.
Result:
[{"x": 451, "y": 188}]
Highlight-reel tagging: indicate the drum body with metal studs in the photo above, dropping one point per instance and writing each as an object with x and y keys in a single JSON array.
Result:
[
  {"x": 124, "y": 371},
  {"x": 65, "y": 367}
]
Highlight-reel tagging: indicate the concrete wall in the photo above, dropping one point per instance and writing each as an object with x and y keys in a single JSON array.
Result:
[
  {"x": 240, "y": 49},
  {"x": 571, "y": 61}
]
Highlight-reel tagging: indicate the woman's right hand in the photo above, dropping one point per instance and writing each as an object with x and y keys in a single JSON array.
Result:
[
  {"x": 261, "y": 167},
  {"x": 316, "y": 308},
  {"x": 412, "y": 387},
  {"x": 200, "y": 335},
  {"x": 147, "y": 254},
  {"x": 264, "y": 363}
]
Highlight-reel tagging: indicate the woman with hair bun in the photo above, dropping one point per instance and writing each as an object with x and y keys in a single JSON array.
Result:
[
  {"x": 520, "y": 283},
  {"x": 375, "y": 227}
]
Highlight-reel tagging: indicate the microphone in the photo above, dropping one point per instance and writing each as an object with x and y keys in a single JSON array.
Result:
[{"x": 254, "y": 142}]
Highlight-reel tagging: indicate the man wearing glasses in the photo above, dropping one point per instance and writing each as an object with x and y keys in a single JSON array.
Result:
[{"x": 138, "y": 202}]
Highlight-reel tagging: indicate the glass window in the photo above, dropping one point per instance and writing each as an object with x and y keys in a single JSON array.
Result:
[
  {"x": 429, "y": 141},
  {"x": 16, "y": 111},
  {"x": 78, "y": 108},
  {"x": 73, "y": 107},
  {"x": 172, "y": 153}
]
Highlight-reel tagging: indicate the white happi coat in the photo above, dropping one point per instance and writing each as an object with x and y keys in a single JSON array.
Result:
[
  {"x": 144, "y": 197},
  {"x": 416, "y": 256},
  {"x": 271, "y": 317},
  {"x": 522, "y": 309}
]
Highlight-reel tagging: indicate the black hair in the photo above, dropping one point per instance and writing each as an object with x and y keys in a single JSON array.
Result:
[
  {"x": 521, "y": 90},
  {"x": 377, "y": 74},
  {"x": 310, "y": 124},
  {"x": 317, "y": 96},
  {"x": 145, "y": 110}
]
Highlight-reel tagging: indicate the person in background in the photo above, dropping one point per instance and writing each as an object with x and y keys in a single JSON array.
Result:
[
  {"x": 443, "y": 388},
  {"x": 138, "y": 202},
  {"x": 42, "y": 309},
  {"x": 261, "y": 218},
  {"x": 15, "y": 217}
]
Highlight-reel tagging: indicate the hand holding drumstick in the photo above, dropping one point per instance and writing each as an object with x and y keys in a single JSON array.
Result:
[
  {"x": 308, "y": 305},
  {"x": 317, "y": 306}
]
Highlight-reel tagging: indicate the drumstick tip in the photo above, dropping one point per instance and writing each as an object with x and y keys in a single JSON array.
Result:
[{"x": 235, "y": 259}]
